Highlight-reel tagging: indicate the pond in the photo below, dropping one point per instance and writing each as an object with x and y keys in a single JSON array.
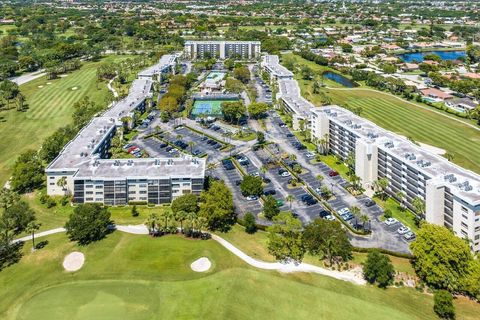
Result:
[
  {"x": 338, "y": 78},
  {"x": 444, "y": 55}
]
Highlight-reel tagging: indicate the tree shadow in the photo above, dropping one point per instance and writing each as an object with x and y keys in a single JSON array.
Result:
[{"x": 10, "y": 254}]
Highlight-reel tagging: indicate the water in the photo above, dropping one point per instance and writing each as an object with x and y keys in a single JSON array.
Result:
[
  {"x": 338, "y": 78},
  {"x": 444, "y": 55}
]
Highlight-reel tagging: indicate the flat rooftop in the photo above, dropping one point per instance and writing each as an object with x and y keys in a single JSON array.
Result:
[
  {"x": 220, "y": 42},
  {"x": 149, "y": 168},
  {"x": 80, "y": 155},
  {"x": 163, "y": 64},
  {"x": 290, "y": 94},
  {"x": 272, "y": 62},
  {"x": 462, "y": 182}
]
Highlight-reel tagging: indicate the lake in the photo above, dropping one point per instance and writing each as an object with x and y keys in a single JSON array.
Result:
[
  {"x": 444, "y": 55},
  {"x": 338, "y": 78}
]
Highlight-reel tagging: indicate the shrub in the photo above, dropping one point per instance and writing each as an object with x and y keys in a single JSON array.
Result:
[
  {"x": 64, "y": 201},
  {"x": 250, "y": 226},
  {"x": 443, "y": 304},
  {"x": 134, "y": 211},
  {"x": 88, "y": 223},
  {"x": 387, "y": 214},
  {"x": 378, "y": 269}
]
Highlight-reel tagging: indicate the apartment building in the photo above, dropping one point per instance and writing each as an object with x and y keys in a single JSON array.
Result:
[
  {"x": 83, "y": 171},
  {"x": 288, "y": 92},
  {"x": 451, "y": 193},
  {"x": 222, "y": 49}
]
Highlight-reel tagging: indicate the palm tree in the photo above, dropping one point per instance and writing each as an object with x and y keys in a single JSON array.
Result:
[
  {"x": 293, "y": 157},
  {"x": 418, "y": 205},
  {"x": 211, "y": 166},
  {"x": 380, "y": 186},
  {"x": 33, "y": 226},
  {"x": 168, "y": 215},
  {"x": 181, "y": 216},
  {"x": 62, "y": 182},
  {"x": 191, "y": 144},
  {"x": 319, "y": 177},
  {"x": 449, "y": 156},
  {"x": 290, "y": 198},
  {"x": 151, "y": 223},
  {"x": 400, "y": 196},
  {"x": 364, "y": 219},
  {"x": 192, "y": 217}
]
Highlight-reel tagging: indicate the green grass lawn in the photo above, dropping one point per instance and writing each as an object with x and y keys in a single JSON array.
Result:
[
  {"x": 50, "y": 106},
  {"x": 404, "y": 216},
  {"x": 408, "y": 119},
  {"x": 55, "y": 217},
  {"x": 138, "y": 277}
]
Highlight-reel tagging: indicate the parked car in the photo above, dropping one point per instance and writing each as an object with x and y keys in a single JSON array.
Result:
[
  {"x": 403, "y": 230},
  {"x": 343, "y": 211},
  {"x": 329, "y": 217},
  {"x": 285, "y": 174},
  {"x": 228, "y": 164},
  {"x": 269, "y": 192},
  {"x": 369, "y": 203},
  {"x": 252, "y": 198},
  {"x": 409, "y": 236},
  {"x": 390, "y": 221},
  {"x": 238, "y": 182},
  {"x": 310, "y": 155},
  {"x": 333, "y": 173},
  {"x": 324, "y": 213}
]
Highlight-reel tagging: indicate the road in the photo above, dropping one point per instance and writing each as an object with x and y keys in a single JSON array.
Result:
[{"x": 27, "y": 77}]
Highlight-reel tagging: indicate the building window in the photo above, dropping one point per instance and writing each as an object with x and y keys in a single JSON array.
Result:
[{"x": 464, "y": 209}]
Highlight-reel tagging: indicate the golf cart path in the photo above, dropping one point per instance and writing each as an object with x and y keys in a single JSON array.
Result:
[{"x": 350, "y": 276}]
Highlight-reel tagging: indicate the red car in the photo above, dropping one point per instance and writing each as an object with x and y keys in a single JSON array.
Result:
[{"x": 333, "y": 173}]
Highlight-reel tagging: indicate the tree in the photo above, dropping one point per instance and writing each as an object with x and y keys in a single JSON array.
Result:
[
  {"x": 186, "y": 202},
  {"x": 418, "y": 205},
  {"x": 251, "y": 186},
  {"x": 400, "y": 196},
  {"x": 380, "y": 186},
  {"x": 306, "y": 72},
  {"x": 234, "y": 85},
  {"x": 250, "y": 225},
  {"x": 27, "y": 173},
  {"x": 152, "y": 223},
  {"x": 232, "y": 111},
  {"x": 441, "y": 259},
  {"x": 257, "y": 110},
  {"x": 31, "y": 228},
  {"x": 216, "y": 206},
  {"x": 378, "y": 269},
  {"x": 8, "y": 198},
  {"x": 180, "y": 216},
  {"x": 88, "y": 223},
  {"x": 242, "y": 73},
  {"x": 20, "y": 215},
  {"x": 168, "y": 105},
  {"x": 260, "y": 137},
  {"x": 290, "y": 198},
  {"x": 270, "y": 207},
  {"x": 134, "y": 211},
  {"x": 285, "y": 238},
  {"x": 443, "y": 304},
  {"x": 327, "y": 239}
]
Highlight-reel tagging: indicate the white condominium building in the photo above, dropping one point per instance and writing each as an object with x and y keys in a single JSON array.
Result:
[
  {"x": 81, "y": 169},
  {"x": 451, "y": 193},
  {"x": 222, "y": 49},
  {"x": 288, "y": 92}
]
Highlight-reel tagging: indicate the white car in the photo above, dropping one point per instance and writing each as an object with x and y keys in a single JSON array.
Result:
[
  {"x": 409, "y": 236},
  {"x": 252, "y": 198},
  {"x": 390, "y": 221},
  {"x": 285, "y": 174},
  {"x": 343, "y": 211},
  {"x": 330, "y": 217},
  {"x": 310, "y": 154},
  {"x": 318, "y": 190},
  {"x": 403, "y": 230},
  {"x": 254, "y": 174}
]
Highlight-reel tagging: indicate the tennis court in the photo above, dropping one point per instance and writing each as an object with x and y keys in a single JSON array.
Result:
[{"x": 208, "y": 107}]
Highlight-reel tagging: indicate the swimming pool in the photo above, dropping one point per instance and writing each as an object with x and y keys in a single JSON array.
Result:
[{"x": 216, "y": 75}]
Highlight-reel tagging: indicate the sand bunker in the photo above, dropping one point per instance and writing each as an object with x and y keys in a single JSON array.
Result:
[
  {"x": 73, "y": 261},
  {"x": 201, "y": 265},
  {"x": 49, "y": 83},
  {"x": 74, "y": 88},
  {"x": 40, "y": 86}
]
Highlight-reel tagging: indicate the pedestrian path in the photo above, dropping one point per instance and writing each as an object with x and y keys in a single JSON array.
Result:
[{"x": 350, "y": 276}]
